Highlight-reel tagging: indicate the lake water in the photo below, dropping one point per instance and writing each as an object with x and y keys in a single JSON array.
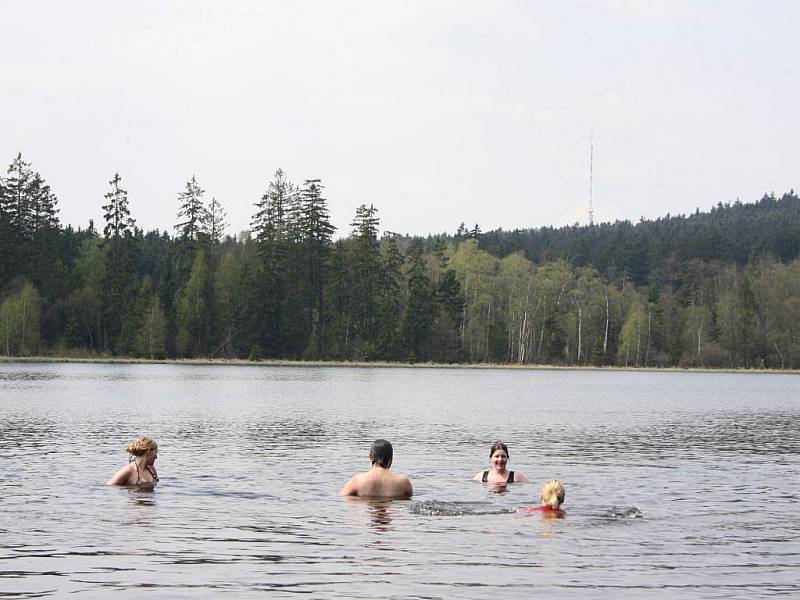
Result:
[{"x": 252, "y": 459}]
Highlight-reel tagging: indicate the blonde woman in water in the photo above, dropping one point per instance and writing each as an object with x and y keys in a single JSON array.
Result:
[
  {"x": 140, "y": 469},
  {"x": 552, "y": 497}
]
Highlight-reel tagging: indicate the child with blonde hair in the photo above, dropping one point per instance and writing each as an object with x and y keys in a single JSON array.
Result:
[
  {"x": 552, "y": 496},
  {"x": 140, "y": 470}
]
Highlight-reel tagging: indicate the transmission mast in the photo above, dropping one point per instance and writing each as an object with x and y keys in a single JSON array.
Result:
[{"x": 591, "y": 166}]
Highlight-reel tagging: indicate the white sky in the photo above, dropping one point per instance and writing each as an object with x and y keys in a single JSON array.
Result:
[{"x": 435, "y": 112}]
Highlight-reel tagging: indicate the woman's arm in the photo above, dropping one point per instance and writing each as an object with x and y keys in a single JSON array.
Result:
[
  {"x": 122, "y": 477},
  {"x": 479, "y": 476},
  {"x": 520, "y": 478}
]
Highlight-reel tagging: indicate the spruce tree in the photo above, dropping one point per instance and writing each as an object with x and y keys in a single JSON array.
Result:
[
  {"x": 269, "y": 225},
  {"x": 390, "y": 300},
  {"x": 316, "y": 232},
  {"x": 116, "y": 213},
  {"x": 17, "y": 198},
  {"x": 419, "y": 311},
  {"x": 366, "y": 271},
  {"x": 43, "y": 260},
  {"x": 28, "y": 222},
  {"x": 191, "y": 211},
  {"x": 214, "y": 221},
  {"x": 43, "y": 211},
  {"x": 274, "y": 226},
  {"x": 119, "y": 282}
]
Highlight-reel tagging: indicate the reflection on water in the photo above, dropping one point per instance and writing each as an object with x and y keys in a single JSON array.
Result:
[
  {"x": 700, "y": 472},
  {"x": 25, "y": 376},
  {"x": 499, "y": 487},
  {"x": 380, "y": 515}
]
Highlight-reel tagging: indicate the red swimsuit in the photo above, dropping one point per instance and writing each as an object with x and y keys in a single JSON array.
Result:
[{"x": 545, "y": 509}]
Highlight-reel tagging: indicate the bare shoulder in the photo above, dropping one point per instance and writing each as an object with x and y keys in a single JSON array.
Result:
[
  {"x": 478, "y": 476},
  {"x": 352, "y": 486},
  {"x": 520, "y": 477},
  {"x": 123, "y": 476},
  {"x": 409, "y": 489},
  {"x": 401, "y": 485}
]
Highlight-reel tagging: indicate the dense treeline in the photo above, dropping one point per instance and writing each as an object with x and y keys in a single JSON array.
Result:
[{"x": 717, "y": 289}]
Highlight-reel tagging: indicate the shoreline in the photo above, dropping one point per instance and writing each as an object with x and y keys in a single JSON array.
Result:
[{"x": 373, "y": 364}]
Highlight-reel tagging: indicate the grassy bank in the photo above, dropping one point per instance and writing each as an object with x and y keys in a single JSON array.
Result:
[{"x": 363, "y": 364}]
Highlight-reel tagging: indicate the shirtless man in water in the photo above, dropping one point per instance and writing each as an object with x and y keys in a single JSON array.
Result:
[{"x": 379, "y": 482}]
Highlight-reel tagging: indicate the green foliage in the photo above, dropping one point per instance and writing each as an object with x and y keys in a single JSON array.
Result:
[
  {"x": 716, "y": 289},
  {"x": 633, "y": 338},
  {"x": 191, "y": 213},
  {"x": 119, "y": 281},
  {"x": 315, "y": 233},
  {"x": 419, "y": 312},
  {"x": 227, "y": 299},
  {"x": 214, "y": 221},
  {"x": 28, "y": 227},
  {"x": 476, "y": 272},
  {"x": 192, "y": 311},
  {"x": 116, "y": 213},
  {"x": 151, "y": 333},
  {"x": 20, "y": 314}
]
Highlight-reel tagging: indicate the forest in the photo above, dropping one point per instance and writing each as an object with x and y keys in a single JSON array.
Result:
[{"x": 716, "y": 289}]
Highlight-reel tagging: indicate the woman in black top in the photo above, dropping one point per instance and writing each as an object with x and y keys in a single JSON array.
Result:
[{"x": 499, "y": 474}]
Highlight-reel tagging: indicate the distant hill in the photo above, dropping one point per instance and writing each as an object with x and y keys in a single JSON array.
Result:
[{"x": 654, "y": 251}]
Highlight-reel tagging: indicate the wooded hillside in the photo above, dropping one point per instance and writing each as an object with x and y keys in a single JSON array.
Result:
[{"x": 715, "y": 289}]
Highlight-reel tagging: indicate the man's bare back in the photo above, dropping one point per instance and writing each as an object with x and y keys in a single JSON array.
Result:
[{"x": 379, "y": 482}]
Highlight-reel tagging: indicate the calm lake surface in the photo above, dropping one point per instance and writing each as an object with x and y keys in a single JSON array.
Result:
[{"x": 252, "y": 459}]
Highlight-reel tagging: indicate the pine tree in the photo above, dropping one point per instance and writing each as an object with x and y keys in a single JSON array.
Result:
[
  {"x": 43, "y": 248},
  {"x": 419, "y": 313},
  {"x": 450, "y": 310},
  {"x": 43, "y": 211},
  {"x": 250, "y": 302},
  {"x": 366, "y": 271},
  {"x": 28, "y": 220},
  {"x": 119, "y": 282},
  {"x": 316, "y": 232},
  {"x": 272, "y": 225},
  {"x": 390, "y": 300},
  {"x": 188, "y": 235},
  {"x": 192, "y": 211},
  {"x": 17, "y": 199},
  {"x": 117, "y": 215},
  {"x": 269, "y": 225},
  {"x": 214, "y": 221},
  {"x": 341, "y": 343}
]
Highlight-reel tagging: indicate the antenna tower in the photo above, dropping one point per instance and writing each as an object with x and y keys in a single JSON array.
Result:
[{"x": 591, "y": 166}]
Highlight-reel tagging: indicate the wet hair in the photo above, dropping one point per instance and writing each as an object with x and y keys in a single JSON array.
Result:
[
  {"x": 381, "y": 453},
  {"x": 498, "y": 446},
  {"x": 139, "y": 448},
  {"x": 553, "y": 493}
]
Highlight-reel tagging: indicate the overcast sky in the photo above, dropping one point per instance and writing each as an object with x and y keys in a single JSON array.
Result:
[{"x": 435, "y": 112}]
